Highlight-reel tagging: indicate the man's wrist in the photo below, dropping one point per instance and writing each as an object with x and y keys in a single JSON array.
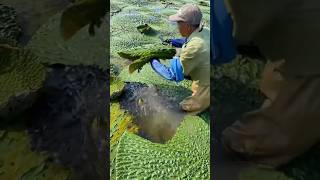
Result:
[{"x": 178, "y": 50}]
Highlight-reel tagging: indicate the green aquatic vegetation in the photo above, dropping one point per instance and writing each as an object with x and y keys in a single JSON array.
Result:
[
  {"x": 186, "y": 155},
  {"x": 115, "y": 9},
  {"x": 244, "y": 70},
  {"x": 142, "y": 55},
  {"x": 235, "y": 90},
  {"x": 116, "y": 87},
  {"x": 9, "y": 33},
  {"x": 180, "y": 3},
  {"x": 167, "y": 11},
  {"x": 124, "y": 38},
  {"x": 9, "y": 28},
  {"x": 174, "y": 93},
  {"x": 126, "y": 41},
  {"x": 127, "y": 22},
  {"x": 18, "y": 161},
  {"x": 262, "y": 174},
  {"x": 20, "y": 72},
  {"x": 114, "y": 70},
  {"x": 146, "y": 29},
  {"x": 238, "y": 80},
  {"x": 138, "y": 3},
  {"x": 156, "y": 50},
  {"x": 121, "y": 20},
  {"x": 133, "y": 18},
  {"x": 124, "y": 33},
  {"x": 48, "y": 44},
  {"x": 204, "y": 3},
  {"x": 120, "y": 121},
  {"x": 206, "y": 20}
]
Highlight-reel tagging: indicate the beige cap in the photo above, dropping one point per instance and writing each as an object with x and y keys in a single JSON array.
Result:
[{"x": 189, "y": 13}]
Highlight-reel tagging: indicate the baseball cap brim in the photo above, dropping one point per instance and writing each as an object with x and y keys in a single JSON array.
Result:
[{"x": 175, "y": 18}]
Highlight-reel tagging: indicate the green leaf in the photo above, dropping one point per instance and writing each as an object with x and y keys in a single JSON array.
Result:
[{"x": 187, "y": 154}]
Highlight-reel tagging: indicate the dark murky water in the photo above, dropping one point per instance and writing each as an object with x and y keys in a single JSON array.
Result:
[
  {"x": 156, "y": 115},
  {"x": 68, "y": 119}
]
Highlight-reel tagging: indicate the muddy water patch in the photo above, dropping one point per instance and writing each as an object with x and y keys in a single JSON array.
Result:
[{"x": 157, "y": 115}]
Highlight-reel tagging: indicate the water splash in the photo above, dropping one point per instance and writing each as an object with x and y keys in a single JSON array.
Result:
[{"x": 156, "y": 115}]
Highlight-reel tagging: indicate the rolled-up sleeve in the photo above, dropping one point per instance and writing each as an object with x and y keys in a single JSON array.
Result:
[
  {"x": 250, "y": 16},
  {"x": 189, "y": 54}
]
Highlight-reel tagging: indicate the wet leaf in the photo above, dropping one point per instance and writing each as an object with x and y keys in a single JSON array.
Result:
[{"x": 81, "y": 14}]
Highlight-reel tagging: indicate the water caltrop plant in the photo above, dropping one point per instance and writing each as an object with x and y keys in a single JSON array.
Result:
[
  {"x": 142, "y": 55},
  {"x": 186, "y": 155}
]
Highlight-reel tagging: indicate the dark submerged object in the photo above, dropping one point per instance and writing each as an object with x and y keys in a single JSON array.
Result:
[
  {"x": 81, "y": 14},
  {"x": 68, "y": 119}
]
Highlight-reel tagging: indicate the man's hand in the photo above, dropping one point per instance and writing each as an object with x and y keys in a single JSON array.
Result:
[{"x": 178, "y": 43}]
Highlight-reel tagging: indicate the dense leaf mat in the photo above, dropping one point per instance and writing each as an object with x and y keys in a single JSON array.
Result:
[
  {"x": 18, "y": 161},
  {"x": 262, "y": 174},
  {"x": 21, "y": 73},
  {"x": 116, "y": 87},
  {"x": 9, "y": 28},
  {"x": 126, "y": 16},
  {"x": 186, "y": 155},
  {"x": 142, "y": 55},
  {"x": 48, "y": 44},
  {"x": 120, "y": 121}
]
